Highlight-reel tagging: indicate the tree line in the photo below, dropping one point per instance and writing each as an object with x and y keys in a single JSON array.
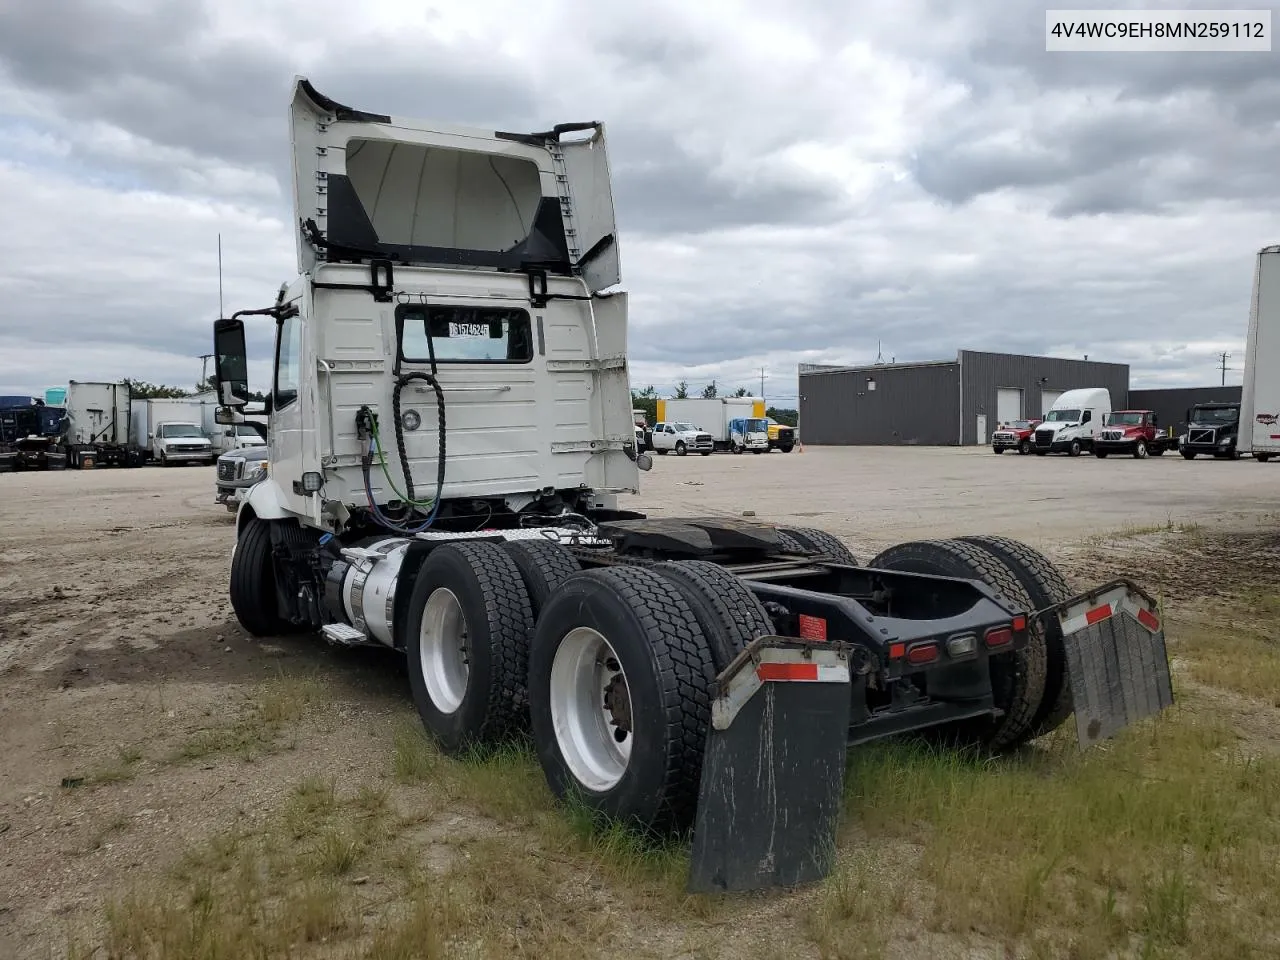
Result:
[
  {"x": 145, "y": 390},
  {"x": 647, "y": 400}
]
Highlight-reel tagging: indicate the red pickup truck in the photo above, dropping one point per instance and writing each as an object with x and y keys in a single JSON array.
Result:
[
  {"x": 1014, "y": 435},
  {"x": 1134, "y": 432}
]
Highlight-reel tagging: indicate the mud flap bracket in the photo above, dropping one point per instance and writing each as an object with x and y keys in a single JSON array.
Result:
[
  {"x": 773, "y": 772},
  {"x": 1117, "y": 661}
]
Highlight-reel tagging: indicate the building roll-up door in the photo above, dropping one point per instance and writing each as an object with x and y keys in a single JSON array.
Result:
[
  {"x": 1047, "y": 398},
  {"x": 1008, "y": 404}
]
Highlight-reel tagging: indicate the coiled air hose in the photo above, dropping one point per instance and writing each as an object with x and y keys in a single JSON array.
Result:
[{"x": 366, "y": 420}]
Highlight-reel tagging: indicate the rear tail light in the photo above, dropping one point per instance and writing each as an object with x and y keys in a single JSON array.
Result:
[
  {"x": 922, "y": 653},
  {"x": 998, "y": 637},
  {"x": 1019, "y": 624}
]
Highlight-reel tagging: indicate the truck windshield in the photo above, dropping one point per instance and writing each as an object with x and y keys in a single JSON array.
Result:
[
  {"x": 1062, "y": 416},
  {"x": 1215, "y": 414},
  {"x": 251, "y": 431},
  {"x": 685, "y": 427},
  {"x": 181, "y": 430},
  {"x": 757, "y": 426},
  {"x": 1124, "y": 419}
]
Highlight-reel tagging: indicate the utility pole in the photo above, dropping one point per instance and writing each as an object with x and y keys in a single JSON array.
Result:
[
  {"x": 762, "y": 383},
  {"x": 204, "y": 368},
  {"x": 220, "y": 313},
  {"x": 1224, "y": 356}
]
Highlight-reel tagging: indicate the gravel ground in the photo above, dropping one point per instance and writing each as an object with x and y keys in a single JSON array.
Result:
[{"x": 117, "y": 642}]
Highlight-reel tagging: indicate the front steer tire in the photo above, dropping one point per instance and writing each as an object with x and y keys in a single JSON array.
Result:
[
  {"x": 1017, "y": 679},
  {"x": 253, "y": 583},
  {"x": 668, "y": 670},
  {"x": 468, "y": 679}
]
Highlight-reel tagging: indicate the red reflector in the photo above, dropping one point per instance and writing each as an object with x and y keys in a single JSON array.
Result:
[
  {"x": 787, "y": 671},
  {"x": 812, "y": 628},
  {"x": 999, "y": 636},
  {"x": 1148, "y": 619},
  {"x": 922, "y": 653},
  {"x": 897, "y": 651},
  {"x": 1019, "y": 624},
  {"x": 1097, "y": 614}
]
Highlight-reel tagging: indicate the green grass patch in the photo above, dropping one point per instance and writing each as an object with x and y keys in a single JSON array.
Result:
[
  {"x": 259, "y": 728},
  {"x": 1104, "y": 848}
]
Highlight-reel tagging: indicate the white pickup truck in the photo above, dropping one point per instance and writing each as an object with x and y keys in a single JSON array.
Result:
[{"x": 682, "y": 437}]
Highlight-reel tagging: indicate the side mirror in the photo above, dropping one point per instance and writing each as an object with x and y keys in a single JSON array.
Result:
[
  {"x": 224, "y": 415},
  {"x": 230, "y": 363}
]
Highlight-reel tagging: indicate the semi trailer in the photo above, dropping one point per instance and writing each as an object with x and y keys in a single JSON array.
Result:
[
  {"x": 451, "y": 436},
  {"x": 1259, "y": 432},
  {"x": 98, "y": 426}
]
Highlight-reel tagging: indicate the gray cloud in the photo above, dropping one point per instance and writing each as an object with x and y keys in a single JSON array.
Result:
[{"x": 789, "y": 184}]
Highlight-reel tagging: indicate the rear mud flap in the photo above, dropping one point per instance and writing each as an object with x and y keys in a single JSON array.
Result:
[
  {"x": 1116, "y": 659},
  {"x": 773, "y": 772}
]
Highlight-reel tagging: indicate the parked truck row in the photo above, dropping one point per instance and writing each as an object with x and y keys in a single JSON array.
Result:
[
  {"x": 102, "y": 424},
  {"x": 1082, "y": 421},
  {"x": 720, "y": 424}
]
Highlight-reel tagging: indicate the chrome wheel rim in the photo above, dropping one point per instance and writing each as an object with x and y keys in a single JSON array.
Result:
[
  {"x": 591, "y": 709},
  {"x": 443, "y": 650}
]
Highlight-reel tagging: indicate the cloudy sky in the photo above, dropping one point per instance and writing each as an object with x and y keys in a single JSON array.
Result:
[{"x": 795, "y": 182}]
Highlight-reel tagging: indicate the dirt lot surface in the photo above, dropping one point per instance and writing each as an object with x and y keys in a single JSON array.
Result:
[{"x": 138, "y": 722}]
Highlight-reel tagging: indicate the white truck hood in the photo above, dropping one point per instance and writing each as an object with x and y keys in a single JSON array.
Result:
[
  {"x": 373, "y": 186},
  {"x": 1057, "y": 426}
]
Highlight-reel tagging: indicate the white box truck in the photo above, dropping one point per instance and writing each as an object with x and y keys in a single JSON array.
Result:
[
  {"x": 1073, "y": 421},
  {"x": 735, "y": 423},
  {"x": 97, "y": 432},
  {"x": 171, "y": 430},
  {"x": 1260, "y": 398}
]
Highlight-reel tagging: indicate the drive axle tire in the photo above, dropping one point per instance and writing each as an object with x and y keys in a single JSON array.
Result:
[
  {"x": 619, "y": 697},
  {"x": 1046, "y": 586},
  {"x": 728, "y": 613},
  {"x": 1017, "y": 679},
  {"x": 253, "y": 582},
  {"x": 543, "y": 567},
  {"x": 825, "y": 545},
  {"x": 468, "y": 627}
]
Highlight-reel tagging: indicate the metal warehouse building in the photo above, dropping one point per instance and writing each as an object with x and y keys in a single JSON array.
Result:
[{"x": 955, "y": 402}]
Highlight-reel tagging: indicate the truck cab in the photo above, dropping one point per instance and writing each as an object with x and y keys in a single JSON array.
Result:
[
  {"x": 681, "y": 437},
  {"x": 1014, "y": 435},
  {"x": 749, "y": 433},
  {"x": 1212, "y": 429},
  {"x": 781, "y": 436},
  {"x": 1133, "y": 432},
  {"x": 1073, "y": 421},
  {"x": 247, "y": 435}
]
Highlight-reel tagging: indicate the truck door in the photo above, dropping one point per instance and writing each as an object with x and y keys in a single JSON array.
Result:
[{"x": 287, "y": 426}]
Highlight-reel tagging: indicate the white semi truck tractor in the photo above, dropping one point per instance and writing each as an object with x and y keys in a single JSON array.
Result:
[{"x": 450, "y": 433}]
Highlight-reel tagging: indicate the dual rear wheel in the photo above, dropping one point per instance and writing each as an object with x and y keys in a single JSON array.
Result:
[{"x": 609, "y": 670}]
